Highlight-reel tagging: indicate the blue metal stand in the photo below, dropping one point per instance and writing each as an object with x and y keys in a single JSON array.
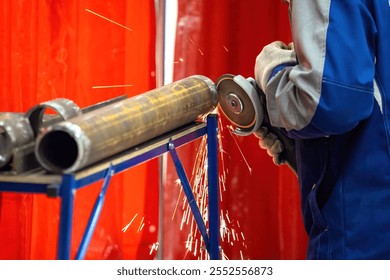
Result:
[
  {"x": 66, "y": 221},
  {"x": 65, "y": 186},
  {"x": 213, "y": 189}
]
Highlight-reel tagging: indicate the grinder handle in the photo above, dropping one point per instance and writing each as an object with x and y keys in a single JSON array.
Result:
[{"x": 288, "y": 154}]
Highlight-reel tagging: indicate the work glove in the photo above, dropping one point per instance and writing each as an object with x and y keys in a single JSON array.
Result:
[
  {"x": 270, "y": 142},
  {"x": 273, "y": 55}
]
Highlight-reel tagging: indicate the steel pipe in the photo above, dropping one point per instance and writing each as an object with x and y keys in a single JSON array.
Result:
[
  {"x": 15, "y": 131},
  {"x": 71, "y": 145}
]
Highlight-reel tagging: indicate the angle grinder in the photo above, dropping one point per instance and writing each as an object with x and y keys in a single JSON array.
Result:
[{"x": 243, "y": 104}]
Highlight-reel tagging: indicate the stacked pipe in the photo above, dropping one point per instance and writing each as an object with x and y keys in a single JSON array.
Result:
[{"x": 18, "y": 130}]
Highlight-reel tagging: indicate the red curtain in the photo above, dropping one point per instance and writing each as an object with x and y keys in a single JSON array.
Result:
[
  {"x": 62, "y": 48},
  {"x": 260, "y": 202}
]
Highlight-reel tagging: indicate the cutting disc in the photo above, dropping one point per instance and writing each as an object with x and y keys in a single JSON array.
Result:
[{"x": 240, "y": 103}]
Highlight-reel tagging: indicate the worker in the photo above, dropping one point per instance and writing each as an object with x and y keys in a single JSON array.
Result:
[{"x": 330, "y": 92}]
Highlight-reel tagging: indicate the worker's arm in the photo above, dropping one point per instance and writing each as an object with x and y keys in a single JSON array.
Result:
[{"x": 330, "y": 89}]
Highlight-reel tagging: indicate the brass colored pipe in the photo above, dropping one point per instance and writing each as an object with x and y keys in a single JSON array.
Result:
[{"x": 68, "y": 146}]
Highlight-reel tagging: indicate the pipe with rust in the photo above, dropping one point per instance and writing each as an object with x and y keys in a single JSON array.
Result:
[{"x": 81, "y": 141}]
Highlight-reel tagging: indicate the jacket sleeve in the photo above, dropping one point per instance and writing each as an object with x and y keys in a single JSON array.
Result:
[{"x": 330, "y": 90}]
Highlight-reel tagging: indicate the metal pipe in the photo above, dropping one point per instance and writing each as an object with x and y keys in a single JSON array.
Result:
[
  {"x": 15, "y": 131},
  {"x": 18, "y": 130},
  {"x": 65, "y": 108},
  {"x": 71, "y": 145}
]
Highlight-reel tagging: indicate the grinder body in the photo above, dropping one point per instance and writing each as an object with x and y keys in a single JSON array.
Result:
[{"x": 244, "y": 105}]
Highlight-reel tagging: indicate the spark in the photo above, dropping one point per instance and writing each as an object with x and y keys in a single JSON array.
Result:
[
  {"x": 141, "y": 225},
  {"x": 191, "y": 41},
  {"x": 222, "y": 185},
  {"x": 196, "y": 246},
  {"x": 226, "y": 49},
  {"x": 154, "y": 248},
  {"x": 242, "y": 256},
  {"x": 242, "y": 154},
  {"x": 177, "y": 203},
  {"x": 200, "y": 51},
  {"x": 189, "y": 242},
  {"x": 110, "y": 20},
  {"x": 188, "y": 216},
  {"x": 180, "y": 60},
  {"x": 185, "y": 255},
  {"x": 227, "y": 216},
  {"x": 111, "y": 86},
  {"x": 183, "y": 219},
  {"x": 224, "y": 257},
  {"x": 220, "y": 126},
  {"x": 128, "y": 225},
  {"x": 229, "y": 233}
]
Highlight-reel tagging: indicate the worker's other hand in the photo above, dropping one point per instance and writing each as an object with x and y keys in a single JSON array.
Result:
[
  {"x": 273, "y": 56},
  {"x": 270, "y": 142}
]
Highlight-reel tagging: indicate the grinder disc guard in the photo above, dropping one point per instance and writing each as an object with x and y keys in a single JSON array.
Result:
[{"x": 240, "y": 103}]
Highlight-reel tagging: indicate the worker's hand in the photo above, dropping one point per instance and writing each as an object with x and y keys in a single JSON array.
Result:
[
  {"x": 270, "y": 58},
  {"x": 270, "y": 142}
]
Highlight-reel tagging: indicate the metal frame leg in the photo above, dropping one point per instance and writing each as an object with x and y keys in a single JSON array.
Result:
[
  {"x": 213, "y": 185},
  {"x": 189, "y": 194},
  {"x": 67, "y": 192}
]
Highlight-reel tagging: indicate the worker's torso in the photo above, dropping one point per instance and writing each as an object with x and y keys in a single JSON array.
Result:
[{"x": 345, "y": 179}]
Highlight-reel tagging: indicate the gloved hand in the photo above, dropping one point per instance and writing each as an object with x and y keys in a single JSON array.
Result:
[
  {"x": 273, "y": 55},
  {"x": 270, "y": 142}
]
